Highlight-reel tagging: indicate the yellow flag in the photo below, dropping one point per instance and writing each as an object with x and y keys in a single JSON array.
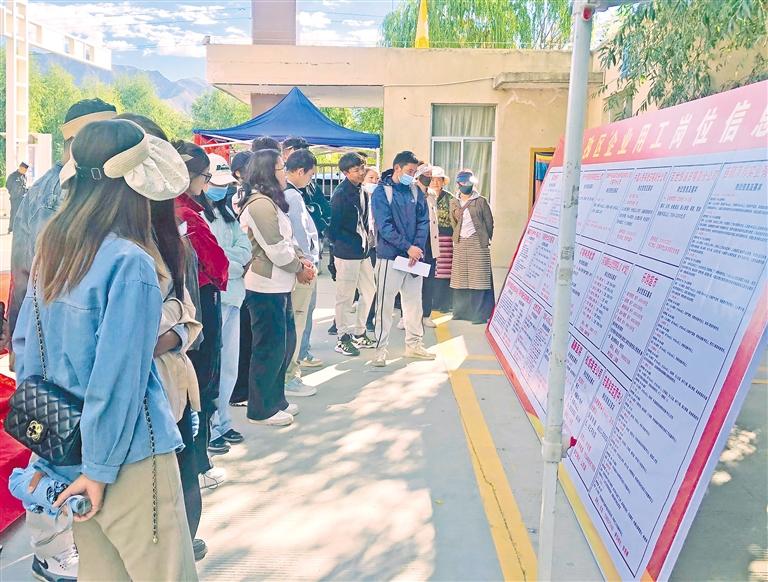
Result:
[{"x": 422, "y": 27}]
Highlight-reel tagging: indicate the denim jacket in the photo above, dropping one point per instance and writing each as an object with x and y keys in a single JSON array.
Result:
[
  {"x": 36, "y": 209},
  {"x": 99, "y": 340}
]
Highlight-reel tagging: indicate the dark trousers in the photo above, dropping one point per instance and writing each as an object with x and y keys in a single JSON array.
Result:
[
  {"x": 207, "y": 362},
  {"x": 190, "y": 485},
  {"x": 240, "y": 393},
  {"x": 273, "y": 341},
  {"x": 15, "y": 203},
  {"x": 428, "y": 289}
]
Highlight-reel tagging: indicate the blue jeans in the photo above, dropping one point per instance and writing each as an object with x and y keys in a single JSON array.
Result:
[
  {"x": 305, "y": 352},
  {"x": 221, "y": 422}
]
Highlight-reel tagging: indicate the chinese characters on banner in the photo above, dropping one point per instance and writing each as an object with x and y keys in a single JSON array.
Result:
[{"x": 669, "y": 309}]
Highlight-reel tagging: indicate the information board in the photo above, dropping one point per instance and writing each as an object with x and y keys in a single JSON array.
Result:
[{"x": 669, "y": 313}]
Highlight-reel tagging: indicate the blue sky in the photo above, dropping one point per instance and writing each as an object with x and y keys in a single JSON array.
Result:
[{"x": 167, "y": 35}]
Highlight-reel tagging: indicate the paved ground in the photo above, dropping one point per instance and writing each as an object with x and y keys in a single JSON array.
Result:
[{"x": 430, "y": 471}]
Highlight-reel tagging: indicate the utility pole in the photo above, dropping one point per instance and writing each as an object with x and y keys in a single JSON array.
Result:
[{"x": 552, "y": 446}]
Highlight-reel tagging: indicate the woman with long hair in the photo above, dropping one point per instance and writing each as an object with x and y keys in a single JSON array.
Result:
[
  {"x": 179, "y": 331},
  {"x": 89, "y": 323},
  {"x": 276, "y": 265},
  {"x": 471, "y": 276},
  {"x": 213, "y": 273}
]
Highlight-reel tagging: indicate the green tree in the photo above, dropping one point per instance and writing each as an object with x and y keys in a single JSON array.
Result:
[
  {"x": 137, "y": 95},
  {"x": 341, "y": 115},
  {"x": 216, "y": 109},
  {"x": 674, "y": 46},
  {"x": 530, "y": 24},
  {"x": 50, "y": 96}
]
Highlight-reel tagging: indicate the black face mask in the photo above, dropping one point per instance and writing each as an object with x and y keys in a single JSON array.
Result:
[
  {"x": 466, "y": 189},
  {"x": 425, "y": 180}
]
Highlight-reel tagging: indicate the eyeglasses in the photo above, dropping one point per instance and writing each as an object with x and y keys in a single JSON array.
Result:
[{"x": 207, "y": 177}]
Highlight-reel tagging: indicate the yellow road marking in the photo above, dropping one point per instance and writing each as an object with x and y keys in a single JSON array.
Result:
[
  {"x": 510, "y": 536},
  {"x": 482, "y": 358},
  {"x": 760, "y": 381}
]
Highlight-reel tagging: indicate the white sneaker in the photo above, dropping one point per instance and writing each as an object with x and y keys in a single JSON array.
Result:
[
  {"x": 212, "y": 478},
  {"x": 429, "y": 323},
  {"x": 296, "y": 387},
  {"x": 311, "y": 362},
  {"x": 55, "y": 554},
  {"x": 401, "y": 323},
  {"x": 280, "y": 418},
  {"x": 380, "y": 360},
  {"x": 61, "y": 567},
  {"x": 419, "y": 353},
  {"x": 292, "y": 409}
]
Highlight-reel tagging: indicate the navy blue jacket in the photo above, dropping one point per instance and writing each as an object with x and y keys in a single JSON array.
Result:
[{"x": 401, "y": 224}]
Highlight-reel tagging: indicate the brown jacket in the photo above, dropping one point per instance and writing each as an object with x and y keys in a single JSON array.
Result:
[{"x": 480, "y": 212}]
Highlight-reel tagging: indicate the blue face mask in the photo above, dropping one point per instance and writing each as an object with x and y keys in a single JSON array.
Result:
[
  {"x": 406, "y": 180},
  {"x": 216, "y": 193}
]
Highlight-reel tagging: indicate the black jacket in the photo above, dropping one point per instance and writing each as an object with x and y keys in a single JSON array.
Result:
[
  {"x": 317, "y": 206},
  {"x": 346, "y": 211},
  {"x": 16, "y": 184}
]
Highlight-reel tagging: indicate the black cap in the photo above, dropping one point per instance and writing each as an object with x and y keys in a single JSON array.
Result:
[
  {"x": 239, "y": 161},
  {"x": 87, "y": 106}
]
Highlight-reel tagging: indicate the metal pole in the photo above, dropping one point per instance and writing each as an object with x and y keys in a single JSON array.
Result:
[{"x": 552, "y": 447}]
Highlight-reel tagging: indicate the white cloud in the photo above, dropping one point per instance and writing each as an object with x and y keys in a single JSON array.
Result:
[
  {"x": 126, "y": 26},
  {"x": 313, "y": 20},
  {"x": 365, "y": 36},
  {"x": 359, "y": 23},
  {"x": 319, "y": 37},
  {"x": 335, "y": 3}
]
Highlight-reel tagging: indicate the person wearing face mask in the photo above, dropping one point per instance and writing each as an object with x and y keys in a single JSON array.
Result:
[
  {"x": 234, "y": 242},
  {"x": 213, "y": 275},
  {"x": 370, "y": 182},
  {"x": 300, "y": 168},
  {"x": 350, "y": 237},
  {"x": 442, "y": 296},
  {"x": 471, "y": 276},
  {"x": 402, "y": 226},
  {"x": 423, "y": 176}
]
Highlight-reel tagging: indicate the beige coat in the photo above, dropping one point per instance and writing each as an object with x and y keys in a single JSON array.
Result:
[
  {"x": 175, "y": 369},
  {"x": 434, "y": 230}
]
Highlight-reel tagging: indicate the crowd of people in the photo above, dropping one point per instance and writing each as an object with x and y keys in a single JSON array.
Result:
[{"x": 155, "y": 286}]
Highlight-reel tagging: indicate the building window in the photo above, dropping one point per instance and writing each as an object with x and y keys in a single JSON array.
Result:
[{"x": 462, "y": 137}]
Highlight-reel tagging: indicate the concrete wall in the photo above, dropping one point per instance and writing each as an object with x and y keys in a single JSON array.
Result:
[
  {"x": 525, "y": 119},
  {"x": 528, "y": 88}
]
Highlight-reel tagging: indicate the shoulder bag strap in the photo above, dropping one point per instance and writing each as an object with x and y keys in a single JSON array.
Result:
[{"x": 39, "y": 326}]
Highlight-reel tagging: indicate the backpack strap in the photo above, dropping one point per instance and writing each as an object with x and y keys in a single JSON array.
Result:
[{"x": 389, "y": 193}]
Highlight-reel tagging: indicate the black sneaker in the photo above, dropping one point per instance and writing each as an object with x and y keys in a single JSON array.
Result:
[
  {"x": 218, "y": 446},
  {"x": 333, "y": 330},
  {"x": 363, "y": 342},
  {"x": 346, "y": 346},
  {"x": 232, "y": 436},
  {"x": 200, "y": 549}
]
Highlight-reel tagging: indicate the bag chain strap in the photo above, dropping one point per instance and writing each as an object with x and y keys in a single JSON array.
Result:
[
  {"x": 39, "y": 327},
  {"x": 38, "y": 324},
  {"x": 155, "y": 536}
]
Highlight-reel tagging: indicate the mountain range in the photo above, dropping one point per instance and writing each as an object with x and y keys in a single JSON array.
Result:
[{"x": 178, "y": 94}]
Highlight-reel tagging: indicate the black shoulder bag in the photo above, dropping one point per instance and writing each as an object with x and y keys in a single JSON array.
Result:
[{"x": 43, "y": 416}]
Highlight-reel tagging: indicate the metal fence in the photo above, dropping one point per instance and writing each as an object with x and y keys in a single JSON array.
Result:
[{"x": 327, "y": 177}]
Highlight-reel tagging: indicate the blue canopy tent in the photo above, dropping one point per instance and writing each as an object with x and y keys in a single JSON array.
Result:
[{"x": 294, "y": 115}]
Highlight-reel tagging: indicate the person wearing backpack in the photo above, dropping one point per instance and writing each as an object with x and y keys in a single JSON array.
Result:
[{"x": 402, "y": 225}]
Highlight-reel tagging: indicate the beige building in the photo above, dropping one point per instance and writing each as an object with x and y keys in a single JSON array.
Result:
[{"x": 483, "y": 109}]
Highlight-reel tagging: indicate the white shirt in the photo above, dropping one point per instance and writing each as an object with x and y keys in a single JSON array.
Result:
[{"x": 467, "y": 226}]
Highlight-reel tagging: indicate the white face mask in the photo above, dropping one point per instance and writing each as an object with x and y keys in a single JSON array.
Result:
[{"x": 369, "y": 187}]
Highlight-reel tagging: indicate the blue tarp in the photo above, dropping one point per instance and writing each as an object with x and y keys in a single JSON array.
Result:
[{"x": 296, "y": 115}]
